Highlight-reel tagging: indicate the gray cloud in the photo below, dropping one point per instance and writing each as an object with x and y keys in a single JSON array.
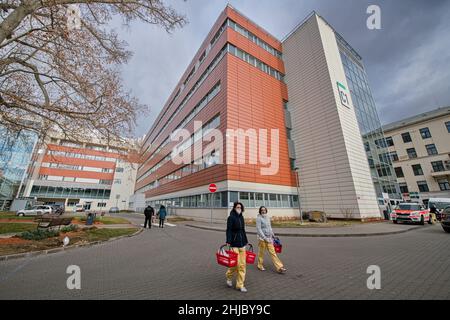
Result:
[{"x": 407, "y": 61}]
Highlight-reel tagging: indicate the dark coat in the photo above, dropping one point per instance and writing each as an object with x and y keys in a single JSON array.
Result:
[
  {"x": 149, "y": 212},
  {"x": 236, "y": 235}
]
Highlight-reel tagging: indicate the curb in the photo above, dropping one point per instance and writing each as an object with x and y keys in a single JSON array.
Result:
[
  {"x": 331, "y": 235},
  {"x": 56, "y": 250}
]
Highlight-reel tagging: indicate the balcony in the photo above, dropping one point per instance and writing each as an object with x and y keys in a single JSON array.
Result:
[{"x": 441, "y": 174}]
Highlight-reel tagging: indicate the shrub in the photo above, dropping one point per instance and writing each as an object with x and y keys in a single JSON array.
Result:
[
  {"x": 69, "y": 228},
  {"x": 38, "y": 234}
]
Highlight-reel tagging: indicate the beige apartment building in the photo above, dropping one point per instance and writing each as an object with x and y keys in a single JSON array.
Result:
[{"x": 420, "y": 151}]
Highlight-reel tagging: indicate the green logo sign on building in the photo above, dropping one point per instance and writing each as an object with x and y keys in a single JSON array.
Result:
[{"x": 343, "y": 94}]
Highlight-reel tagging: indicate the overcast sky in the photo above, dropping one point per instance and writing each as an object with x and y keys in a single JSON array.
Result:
[{"x": 407, "y": 61}]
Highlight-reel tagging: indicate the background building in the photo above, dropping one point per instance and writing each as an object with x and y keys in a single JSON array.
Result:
[
  {"x": 90, "y": 173},
  {"x": 234, "y": 81},
  {"x": 420, "y": 150},
  {"x": 329, "y": 113},
  {"x": 15, "y": 154}
]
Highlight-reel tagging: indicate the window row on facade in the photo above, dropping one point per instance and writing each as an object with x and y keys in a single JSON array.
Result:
[
  {"x": 241, "y": 54},
  {"x": 423, "y": 186},
  {"x": 60, "y": 192},
  {"x": 79, "y": 156},
  {"x": 211, "y": 124},
  {"x": 45, "y": 177},
  {"x": 194, "y": 89},
  {"x": 425, "y": 133},
  {"x": 438, "y": 166},
  {"x": 223, "y": 199}
]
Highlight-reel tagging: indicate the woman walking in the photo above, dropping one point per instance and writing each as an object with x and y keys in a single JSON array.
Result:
[
  {"x": 265, "y": 241},
  {"x": 237, "y": 240},
  {"x": 162, "y": 215}
]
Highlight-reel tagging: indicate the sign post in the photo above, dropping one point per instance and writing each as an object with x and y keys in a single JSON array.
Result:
[{"x": 212, "y": 188}]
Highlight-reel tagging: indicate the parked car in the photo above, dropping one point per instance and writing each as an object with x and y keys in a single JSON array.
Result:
[
  {"x": 440, "y": 204},
  {"x": 35, "y": 211},
  {"x": 78, "y": 208},
  {"x": 411, "y": 212},
  {"x": 445, "y": 219},
  {"x": 114, "y": 210}
]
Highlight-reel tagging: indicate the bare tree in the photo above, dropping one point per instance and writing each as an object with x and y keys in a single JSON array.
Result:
[{"x": 61, "y": 76}]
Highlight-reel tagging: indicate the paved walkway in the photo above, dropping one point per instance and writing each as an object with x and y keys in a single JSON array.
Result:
[
  {"x": 180, "y": 263},
  {"x": 357, "y": 230}
]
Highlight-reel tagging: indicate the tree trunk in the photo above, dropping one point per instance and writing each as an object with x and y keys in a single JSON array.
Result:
[{"x": 14, "y": 19}]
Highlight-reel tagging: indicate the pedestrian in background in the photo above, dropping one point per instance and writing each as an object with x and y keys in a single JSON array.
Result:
[
  {"x": 162, "y": 213},
  {"x": 265, "y": 241},
  {"x": 237, "y": 240},
  {"x": 148, "y": 212}
]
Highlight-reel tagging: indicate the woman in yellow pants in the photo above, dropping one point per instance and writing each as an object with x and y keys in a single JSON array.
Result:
[
  {"x": 265, "y": 241},
  {"x": 237, "y": 240}
]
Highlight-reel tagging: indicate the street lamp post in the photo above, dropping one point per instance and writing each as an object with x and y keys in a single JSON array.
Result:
[{"x": 298, "y": 195}]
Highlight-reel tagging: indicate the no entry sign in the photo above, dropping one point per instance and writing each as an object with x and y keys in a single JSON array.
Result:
[{"x": 212, "y": 188}]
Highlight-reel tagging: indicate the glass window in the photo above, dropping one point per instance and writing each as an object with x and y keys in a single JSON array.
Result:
[
  {"x": 399, "y": 172},
  {"x": 389, "y": 141},
  {"x": 406, "y": 137},
  {"x": 444, "y": 185},
  {"x": 438, "y": 166},
  {"x": 273, "y": 201},
  {"x": 411, "y": 153},
  {"x": 295, "y": 201},
  {"x": 423, "y": 186},
  {"x": 259, "y": 197},
  {"x": 425, "y": 133},
  {"x": 417, "y": 169},
  {"x": 244, "y": 198},
  {"x": 284, "y": 200},
  {"x": 403, "y": 188},
  {"x": 431, "y": 149},
  {"x": 394, "y": 156}
]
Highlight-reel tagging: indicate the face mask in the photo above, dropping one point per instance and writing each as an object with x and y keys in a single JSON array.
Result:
[{"x": 238, "y": 210}]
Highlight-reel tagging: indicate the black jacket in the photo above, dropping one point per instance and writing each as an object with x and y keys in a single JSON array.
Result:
[
  {"x": 236, "y": 235},
  {"x": 149, "y": 212}
]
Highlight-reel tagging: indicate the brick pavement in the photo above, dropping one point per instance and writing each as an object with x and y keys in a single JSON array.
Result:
[{"x": 179, "y": 263}]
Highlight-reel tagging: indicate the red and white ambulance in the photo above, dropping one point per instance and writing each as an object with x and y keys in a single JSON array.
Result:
[{"x": 411, "y": 212}]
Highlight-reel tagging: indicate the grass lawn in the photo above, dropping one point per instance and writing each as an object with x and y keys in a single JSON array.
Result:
[
  {"x": 104, "y": 234},
  {"x": 12, "y": 215},
  {"x": 18, "y": 245},
  {"x": 105, "y": 220},
  {"x": 16, "y": 227},
  {"x": 178, "y": 219},
  {"x": 307, "y": 224}
]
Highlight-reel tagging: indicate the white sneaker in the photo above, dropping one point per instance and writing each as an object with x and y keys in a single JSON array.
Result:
[
  {"x": 243, "y": 289},
  {"x": 229, "y": 283}
]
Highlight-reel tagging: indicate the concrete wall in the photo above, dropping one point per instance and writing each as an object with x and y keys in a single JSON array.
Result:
[{"x": 333, "y": 169}]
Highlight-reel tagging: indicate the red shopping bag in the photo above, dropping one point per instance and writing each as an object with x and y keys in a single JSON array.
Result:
[
  {"x": 277, "y": 245},
  {"x": 250, "y": 256},
  {"x": 227, "y": 258}
]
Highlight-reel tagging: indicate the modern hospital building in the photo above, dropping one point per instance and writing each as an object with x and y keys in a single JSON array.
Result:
[{"x": 311, "y": 88}]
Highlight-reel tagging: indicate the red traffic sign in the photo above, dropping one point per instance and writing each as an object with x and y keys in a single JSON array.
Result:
[{"x": 212, "y": 188}]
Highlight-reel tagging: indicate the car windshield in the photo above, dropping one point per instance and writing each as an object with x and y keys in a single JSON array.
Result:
[
  {"x": 408, "y": 207},
  {"x": 439, "y": 205}
]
